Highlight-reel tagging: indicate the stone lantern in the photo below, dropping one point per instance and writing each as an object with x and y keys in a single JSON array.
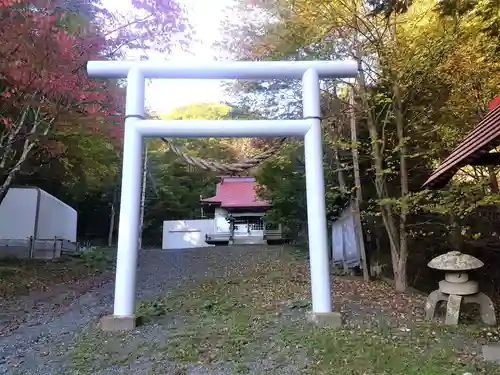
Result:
[{"x": 457, "y": 288}]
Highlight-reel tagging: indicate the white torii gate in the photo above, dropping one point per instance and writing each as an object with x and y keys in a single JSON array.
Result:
[{"x": 137, "y": 128}]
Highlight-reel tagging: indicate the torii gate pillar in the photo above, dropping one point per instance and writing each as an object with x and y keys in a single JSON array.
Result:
[{"x": 137, "y": 128}]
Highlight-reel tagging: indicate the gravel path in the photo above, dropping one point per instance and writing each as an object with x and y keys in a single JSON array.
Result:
[{"x": 39, "y": 344}]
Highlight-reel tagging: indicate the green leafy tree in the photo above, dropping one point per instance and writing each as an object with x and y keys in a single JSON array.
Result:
[
  {"x": 282, "y": 183},
  {"x": 426, "y": 77}
]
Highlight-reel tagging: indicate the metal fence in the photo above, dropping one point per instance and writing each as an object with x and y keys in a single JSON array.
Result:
[{"x": 31, "y": 248}]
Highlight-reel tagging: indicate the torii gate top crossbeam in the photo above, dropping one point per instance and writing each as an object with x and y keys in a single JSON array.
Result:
[{"x": 223, "y": 69}]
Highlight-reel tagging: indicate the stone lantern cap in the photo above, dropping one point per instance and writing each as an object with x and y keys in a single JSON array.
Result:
[{"x": 455, "y": 261}]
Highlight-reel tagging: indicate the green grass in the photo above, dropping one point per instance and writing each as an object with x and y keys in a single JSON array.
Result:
[
  {"x": 23, "y": 276},
  {"x": 424, "y": 350},
  {"x": 259, "y": 316}
]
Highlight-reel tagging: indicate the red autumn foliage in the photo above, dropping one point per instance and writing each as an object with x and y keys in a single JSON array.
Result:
[
  {"x": 42, "y": 65},
  {"x": 44, "y": 88},
  {"x": 42, "y": 69}
]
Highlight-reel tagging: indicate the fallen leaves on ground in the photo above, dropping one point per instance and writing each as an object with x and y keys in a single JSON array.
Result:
[
  {"x": 35, "y": 286},
  {"x": 368, "y": 300},
  {"x": 256, "y": 314},
  {"x": 23, "y": 276}
]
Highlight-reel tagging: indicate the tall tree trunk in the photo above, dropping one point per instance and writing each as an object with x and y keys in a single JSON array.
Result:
[
  {"x": 341, "y": 181},
  {"x": 143, "y": 192},
  {"x": 114, "y": 203},
  {"x": 112, "y": 217},
  {"x": 380, "y": 181},
  {"x": 456, "y": 238},
  {"x": 357, "y": 182},
  {"x": 493, "y": 179},
  {"x": 400, "y": 277},
  {"x": 340, "y": 171}
]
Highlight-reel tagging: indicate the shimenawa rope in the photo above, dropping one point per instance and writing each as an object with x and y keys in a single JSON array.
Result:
[{"x": 225, "y": 168}]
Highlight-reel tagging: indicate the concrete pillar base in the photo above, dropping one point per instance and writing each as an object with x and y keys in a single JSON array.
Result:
[
  {"x": 331, "y": 319},
  {"x": 112, "y": 323},
  {"x": 491, "y": 353}
]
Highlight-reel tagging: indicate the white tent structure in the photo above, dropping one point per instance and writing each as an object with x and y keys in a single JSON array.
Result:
[
  {"x": 35, "y": 224},
  {"x": 137, "y": 128}
]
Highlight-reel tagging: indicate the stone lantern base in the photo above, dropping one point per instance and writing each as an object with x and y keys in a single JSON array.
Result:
[
  {"x": 454, "y": 302},
  {"x": 457, "y": 288}
]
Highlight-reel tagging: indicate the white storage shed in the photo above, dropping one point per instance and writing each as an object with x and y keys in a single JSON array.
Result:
[
  {"x": 32, "y": 212},
  {"x": 32, "y": 218}
]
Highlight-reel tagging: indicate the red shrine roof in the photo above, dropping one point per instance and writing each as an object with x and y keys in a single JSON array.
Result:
[
  {"x": 494, "y": 103},
  {"x": 236, "y": 192},
  {"x": 473, "y": 149}
]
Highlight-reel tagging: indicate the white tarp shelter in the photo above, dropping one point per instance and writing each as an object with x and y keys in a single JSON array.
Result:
[
  {"x": 31, "y": 212},
  {"x": 345, "y": 247}
]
